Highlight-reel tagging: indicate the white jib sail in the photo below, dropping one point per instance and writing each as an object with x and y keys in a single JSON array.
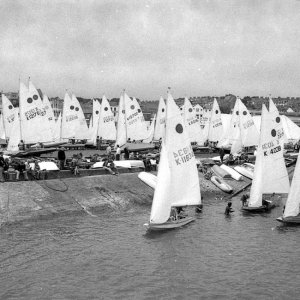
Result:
[
  {"x": 249, "y": 132},
  {"x": 94, "y": 123},
  {"x": 230, "y": 135},
  {"x": 49, "y": 114},
  {"x": 9, "y": 115},
  {"x": 69, "y": 122},
  {"x": 121, "y": 123},
  {"x": 255, "y": 199},
  {"x": 160, "y": 120},
  {"x": 293, "y": 200},
  {"x": 34, "y": 123},
  {"x": 15, "y": 136},
  {"x": 57, "y": 130},
  {"x": 216, "y": 127},
  {"x": 151, "y": 129},
  {"x": 106, "y": 124},
  {"x": 177, "y": 179},
  {"x": 135, "y": 123},
  {"x": 2, "y": 130},
  {"x": 192, "y": 123}
]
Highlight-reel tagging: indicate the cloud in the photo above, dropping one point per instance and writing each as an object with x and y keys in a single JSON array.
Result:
[{"x": 196, "y": 47}]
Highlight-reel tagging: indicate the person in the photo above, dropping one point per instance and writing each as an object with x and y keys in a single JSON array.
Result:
[
  {"x": 36, "y": 170},
  {"x": 173, "y": 214},
  {"x": 21, "y": 146},
  {"x": 110, "y": 166},
  {"x": 198, "y": 208},
  {"x": 61, "y": 156},
  {"x": 98, "y": 144},
  {"x": 2, "y": 164},
  {"x": 118, "y": 153},
  {"x": 126, "y": 153},
  {"x": 230, "y": 160},
  {"x": 180, "y": 212},
  {"x": 222, "y": 152},
  {"x": 244, "y": 200},
  {"x": 20, "y": 168},
  {"x": 228, "y": 209},
  {"x": 108, "y": 150}
]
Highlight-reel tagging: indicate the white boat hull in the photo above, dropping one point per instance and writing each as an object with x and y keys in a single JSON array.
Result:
[
  {"x": 244, "y": 172},
  {"x": 258, "y": 209},
  {"x": 221, "y": 184},
  {"x": 169, "y": 224}
]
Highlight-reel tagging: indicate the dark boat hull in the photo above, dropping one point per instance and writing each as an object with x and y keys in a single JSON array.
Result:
[{"x": 289, "y": 220}]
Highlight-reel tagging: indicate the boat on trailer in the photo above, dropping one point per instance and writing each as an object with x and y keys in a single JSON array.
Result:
[{"x": 177, "y": 178}]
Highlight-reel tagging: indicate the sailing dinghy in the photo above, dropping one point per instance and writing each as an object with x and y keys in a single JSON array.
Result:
[
  {"x": 177, "y": 178},
  {"x": 270, "y": 174}
]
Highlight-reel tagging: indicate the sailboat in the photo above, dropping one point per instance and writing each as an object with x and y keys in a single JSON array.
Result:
[
  {"x": 270, "y": 174},
  {"x": 177, "y": 178},
  {"x": 291, "y": 212}
]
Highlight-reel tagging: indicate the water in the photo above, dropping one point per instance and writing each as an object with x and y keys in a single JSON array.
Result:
[{"x": 111, "y": 257}]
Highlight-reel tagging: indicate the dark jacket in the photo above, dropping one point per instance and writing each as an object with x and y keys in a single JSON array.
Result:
[{"x": 61, "y": 155}]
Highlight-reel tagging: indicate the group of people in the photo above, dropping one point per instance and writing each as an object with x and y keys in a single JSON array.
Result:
[{"x": 11, "y": 169}]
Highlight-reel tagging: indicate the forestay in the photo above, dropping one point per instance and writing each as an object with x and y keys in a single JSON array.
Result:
[{"x": 177, "y": 179}]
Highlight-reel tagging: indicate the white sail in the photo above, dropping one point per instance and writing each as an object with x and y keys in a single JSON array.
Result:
[
  {"x": 2, "y": 130},
  {"x": 160, "y": 120},
  {"x": 15, "y": 136},
  {"x": 192, "y": 123},
  {"x": 256, "y": 192},
  {"x": 135, "y": 123},
  {"x": 69, "y": 119},
  {"x": 121, "y": 123},
  {"x": 229, "y": 136},
  {"x": 49, "y": 114},
  {"x": 277, "y": 180},
  {"x": 57, "y": 129},
  {"x": 34, "y": 123},
  {"x": 216, "y": 126},
  {"x": 94, "y": 123},
  {"x": 177, "y": 179},
  {"x": 151, "y": 129},
  {"x": 293, "y": 200},
  {"x": 204, "y": 123},
  {"x": 249, "y": 132},
  {"x": 82, "y": 131},
  {"x": 9, "y": 115},
  {"x": 106, "y": 124},
  {"x": 237, "y": 145}
]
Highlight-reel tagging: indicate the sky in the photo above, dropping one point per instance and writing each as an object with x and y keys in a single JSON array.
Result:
[{"x": 196, "y": 47}]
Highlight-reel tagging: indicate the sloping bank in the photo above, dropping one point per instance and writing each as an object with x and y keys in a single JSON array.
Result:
[{"x": 91, "y": 194}]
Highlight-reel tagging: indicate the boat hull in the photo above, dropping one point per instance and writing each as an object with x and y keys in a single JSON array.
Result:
[
  {"x": 169, "y": 224},
  {"x": 258, "y": 209},
  {"x": 244, "y": 171},
  {"x": 289, "y": 220},
  {"x": 221, "y": 184}
]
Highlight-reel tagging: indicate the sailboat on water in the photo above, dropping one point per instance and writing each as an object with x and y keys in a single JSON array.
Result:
[
  {"x": 291, "y": 214},
  {"x": 270, "y": 174},
  {"x": 177, "y": 178}
]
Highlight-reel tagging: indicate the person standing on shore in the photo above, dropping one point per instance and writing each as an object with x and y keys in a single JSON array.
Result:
[
  {"x": 126, "y": 153},
  {"x": 118, "y": 153},
  {"x": 108, "y": 150},
  {"x": 61, "y": 156},
  {"x": 21, "y": 146}
]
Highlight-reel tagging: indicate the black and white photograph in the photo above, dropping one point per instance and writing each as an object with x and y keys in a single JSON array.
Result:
[{"x": 148, "y": 149}]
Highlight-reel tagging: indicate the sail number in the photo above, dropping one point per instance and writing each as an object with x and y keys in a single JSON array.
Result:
[
  {"x": 248, "y": 124},
  {"x": 183, "y": 155},
  {"x": 273, "y": 150}
]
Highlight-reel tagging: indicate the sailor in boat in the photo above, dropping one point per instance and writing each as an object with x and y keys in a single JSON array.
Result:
[
  {"x": 180, "y": 212},
  {"x": 228, "y": 209},
  {"x": 21, "y": 146},
  {"x": 173, "y": 214},
  {"x": 244, "y": 200}
]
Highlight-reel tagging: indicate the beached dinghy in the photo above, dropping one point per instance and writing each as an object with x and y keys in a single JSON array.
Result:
[
  {"x": 234, "y": 174},
  {"x": 270, "y": 174},
  {"x": 177, "y": 178},
  {"x": 220, "y": 172},
  {"x": 148, "y": 178},
  {"x": 245, "y": 169},
  {"x": 221, "y": 184}
]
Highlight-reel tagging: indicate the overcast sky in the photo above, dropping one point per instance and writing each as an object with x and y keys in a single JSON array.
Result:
[{"x": 195, "y": 47}]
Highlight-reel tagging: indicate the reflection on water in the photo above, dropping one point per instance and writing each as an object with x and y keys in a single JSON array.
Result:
[{"x": 112, "y": 256}]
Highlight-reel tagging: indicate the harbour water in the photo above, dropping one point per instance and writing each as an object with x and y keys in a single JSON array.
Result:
[{"x": 111, "y": 256}]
